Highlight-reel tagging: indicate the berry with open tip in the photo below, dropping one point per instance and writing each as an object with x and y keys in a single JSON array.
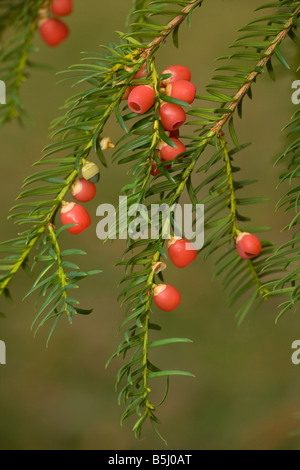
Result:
[
  {"x": 248, "y": 245},
  {"x": 181, "y": 252},
  {"x": 166, "y": 297},
  {"x": 83, "y": 190},
  {"x": 172, "y": 116},
  {"x": 73, "y": 213},
  {"x": 141, "y": 99}
]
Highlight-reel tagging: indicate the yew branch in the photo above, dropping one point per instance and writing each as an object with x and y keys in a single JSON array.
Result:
[
  {"x": 253, "y": 75},
  {"x": 170, "y": 28}
]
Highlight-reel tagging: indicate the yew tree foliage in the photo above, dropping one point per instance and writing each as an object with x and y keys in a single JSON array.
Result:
[{"x": 209, "y": 174}]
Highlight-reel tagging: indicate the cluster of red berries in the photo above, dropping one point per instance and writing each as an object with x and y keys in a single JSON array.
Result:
[
  {"x": 83, "y": 190},
  {"x": 182, "y": 253},
  {"x": 177, "y": 85},
  {"x": 52, "y": 30},
  {"x": 172, "y": 116}
]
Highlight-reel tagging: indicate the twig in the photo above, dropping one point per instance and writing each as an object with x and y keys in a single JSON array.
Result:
[
  {"x": 253, "y": 75},
  {"x": 170, "y": 28}
]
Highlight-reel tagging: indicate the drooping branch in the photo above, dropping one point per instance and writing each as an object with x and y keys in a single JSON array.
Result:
[
  {"x": 80, "y": 130},
  {"x": 246, "y": 275},
  {"x": 14, "y": 54}
]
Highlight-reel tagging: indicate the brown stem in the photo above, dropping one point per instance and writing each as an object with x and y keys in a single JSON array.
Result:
[
  {"x": 253, "y": 75},
  {"x": 170, "y": 28}
]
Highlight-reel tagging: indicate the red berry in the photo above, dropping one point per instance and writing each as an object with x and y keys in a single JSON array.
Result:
[
  {"x": 53, "y": 31},
  {"x": 72, "y": 213},
  {"x": 127, "y": 93},
  {"x": 83, "y": 190},
  {"x": 141, "y": 73},
  {"x": 62, "y": 7},
  {"x": 175, "y": 133},
  {"x": 179, "y": 72},
  {"x": 182, "y": 90},
  {"x": 156, "y": 171},
  {"x": 172, "y": 116},
  {"x": 166, "y": 297},
  {"x": 248, "y": 245},
  {"x": 169, "y": 153},
  {"x": 181, "y": 252},
  {"x": 141, "y": 99}
]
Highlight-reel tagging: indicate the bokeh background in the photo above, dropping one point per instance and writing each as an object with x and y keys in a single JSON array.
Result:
[{"x": 246, "y": 391}]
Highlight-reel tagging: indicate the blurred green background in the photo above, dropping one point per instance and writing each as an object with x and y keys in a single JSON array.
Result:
[{"x": 246, "y": 391}]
